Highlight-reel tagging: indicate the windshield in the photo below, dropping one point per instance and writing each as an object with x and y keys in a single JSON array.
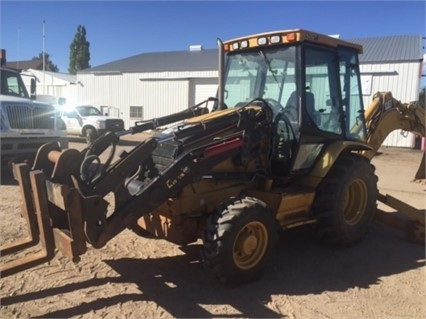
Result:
[
  {"x": 88, "y": 111},
  {"x": 266, "y": 74},
  {"x": 12, "y": 84}
]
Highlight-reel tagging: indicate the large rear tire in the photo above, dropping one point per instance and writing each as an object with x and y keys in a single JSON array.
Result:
[
  {"x": 346, "y": 200},
  {"x": 239, "y": 240}
]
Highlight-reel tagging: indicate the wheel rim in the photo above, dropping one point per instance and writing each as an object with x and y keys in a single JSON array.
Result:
[
  {"x": 250, "y": 245},
  {"x": 355, "y": 202}
]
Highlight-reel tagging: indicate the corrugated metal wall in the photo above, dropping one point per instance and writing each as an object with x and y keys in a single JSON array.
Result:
[
  {"x": 403, "y": 80},
  {"x": 158, "y": 93}
]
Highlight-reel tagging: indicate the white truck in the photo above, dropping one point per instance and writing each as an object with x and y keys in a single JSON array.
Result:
[
  {"x": 25, "y": 124},
  {"x": 87, "y": 121}
]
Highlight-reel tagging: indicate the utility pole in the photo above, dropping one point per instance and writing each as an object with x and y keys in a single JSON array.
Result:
[
  {"x": 44, "y": 59},
  {"x": 19, "y": 48}
]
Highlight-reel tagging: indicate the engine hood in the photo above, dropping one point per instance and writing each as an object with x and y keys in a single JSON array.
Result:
[
  {"x": 99, "y": 118},
  {"x": 20, "y": 100}
]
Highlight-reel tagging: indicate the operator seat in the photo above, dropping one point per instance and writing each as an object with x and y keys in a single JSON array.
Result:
[
  {"x": 292, "y": 111},
  {"x": 291, "y": 108}
]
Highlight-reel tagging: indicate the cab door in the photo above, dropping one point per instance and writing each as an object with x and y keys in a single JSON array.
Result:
[
  {"x": 320, "y": 107},
  {"x": 330, "y": 102}
]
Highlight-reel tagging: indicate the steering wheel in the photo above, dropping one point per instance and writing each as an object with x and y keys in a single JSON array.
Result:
[
  {"x": 12, "y": 92},
  {"x": 274, "y": 105}
]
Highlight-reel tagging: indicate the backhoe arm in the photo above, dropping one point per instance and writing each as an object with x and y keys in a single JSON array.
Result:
[{"x": 386, "y": 114}]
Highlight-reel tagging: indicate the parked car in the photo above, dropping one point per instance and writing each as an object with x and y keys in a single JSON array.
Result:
[{"x": 87, "y": 121}]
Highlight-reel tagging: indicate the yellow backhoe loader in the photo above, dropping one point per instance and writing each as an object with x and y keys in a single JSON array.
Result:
[{"x": 287, "y": 143}]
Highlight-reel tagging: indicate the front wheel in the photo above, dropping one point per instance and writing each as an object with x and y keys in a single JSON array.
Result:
[
  {"x": 346, "y": 200},
  {"x": 90, "y": 135},
  {"x": 238, "y": 240}
]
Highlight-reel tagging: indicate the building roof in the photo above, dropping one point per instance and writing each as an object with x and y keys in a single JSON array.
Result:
[
  {"x": 405, "y": 48},
  {"x": 36, "y": 64},
  {"x": 60, "y": 78},
  {"x": 162, "y": 61},
  {"x": 401, "y": 48}
]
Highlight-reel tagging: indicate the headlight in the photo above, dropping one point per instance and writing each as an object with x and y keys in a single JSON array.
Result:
[
  {"x": 275, "y": 39},
  {"x": 262, "y": 41},
  {"x": 100, "y": 124}
]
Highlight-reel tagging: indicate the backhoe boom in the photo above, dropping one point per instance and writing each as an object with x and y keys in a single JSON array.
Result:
[{"x": 384, "y": 115}]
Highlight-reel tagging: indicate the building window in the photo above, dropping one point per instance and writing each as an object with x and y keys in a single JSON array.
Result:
[{"x": 136, "y": 112}]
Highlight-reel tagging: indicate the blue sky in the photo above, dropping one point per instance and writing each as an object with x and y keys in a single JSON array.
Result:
[{"x": 119, "y": 29}]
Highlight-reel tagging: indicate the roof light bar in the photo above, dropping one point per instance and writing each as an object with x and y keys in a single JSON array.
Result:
[{"x": 284, "y": 37}]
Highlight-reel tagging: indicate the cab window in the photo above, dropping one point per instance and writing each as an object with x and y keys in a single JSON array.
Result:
[{"x": 321, "y": 89}]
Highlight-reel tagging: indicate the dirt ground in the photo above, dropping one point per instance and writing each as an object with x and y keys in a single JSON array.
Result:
[{"x": 384, "y": 276}]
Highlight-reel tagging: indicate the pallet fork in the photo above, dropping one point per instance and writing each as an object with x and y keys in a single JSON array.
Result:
[{"x": 35, "y": 210}]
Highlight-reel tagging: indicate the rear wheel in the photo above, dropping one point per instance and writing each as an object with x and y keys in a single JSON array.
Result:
[
  {"x": 346, "y": 200},
  {"x": 239, "y": 240}
]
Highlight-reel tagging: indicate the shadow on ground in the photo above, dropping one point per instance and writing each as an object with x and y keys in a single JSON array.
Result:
[{"x": 301, "y": 266}]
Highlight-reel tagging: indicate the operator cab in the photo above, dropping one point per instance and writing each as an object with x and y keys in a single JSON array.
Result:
[{"x": 311, "y": 82}]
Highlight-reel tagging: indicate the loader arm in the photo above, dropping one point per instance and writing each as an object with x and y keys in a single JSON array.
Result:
[{"x": 70, "y": 201}]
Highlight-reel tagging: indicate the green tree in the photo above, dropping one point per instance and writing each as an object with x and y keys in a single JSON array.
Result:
[
  {"x": 422, "y": 98},
  {"x": 49, "y": 65},
  {"x": 79, "y": 51}
]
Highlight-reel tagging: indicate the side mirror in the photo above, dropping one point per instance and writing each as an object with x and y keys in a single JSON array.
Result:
[
  {"x": 33, "y": 88},
  {"x": 62, "y": 101}
]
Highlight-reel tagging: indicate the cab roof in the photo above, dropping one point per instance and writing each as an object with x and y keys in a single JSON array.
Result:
[{"x": 285, "y": 37}]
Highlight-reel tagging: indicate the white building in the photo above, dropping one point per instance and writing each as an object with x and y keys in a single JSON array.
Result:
[
  {"x": 151, "y": 84},
  {"x": 394, "y": 64},
  {"x": 51, "y": 85}
]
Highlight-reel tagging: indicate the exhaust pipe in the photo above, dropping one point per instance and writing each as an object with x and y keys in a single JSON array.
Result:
[{"x": 221, "y": 69}]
